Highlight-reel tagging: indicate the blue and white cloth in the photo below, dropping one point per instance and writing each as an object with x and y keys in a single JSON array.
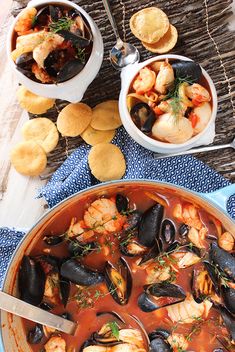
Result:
[{"x": 74, "y": 175}]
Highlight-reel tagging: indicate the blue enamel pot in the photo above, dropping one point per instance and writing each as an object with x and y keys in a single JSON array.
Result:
[{"x": 12, "y": 336}]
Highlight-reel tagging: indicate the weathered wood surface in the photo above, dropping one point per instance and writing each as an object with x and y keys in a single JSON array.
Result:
[{"x": 205, "y": 39}]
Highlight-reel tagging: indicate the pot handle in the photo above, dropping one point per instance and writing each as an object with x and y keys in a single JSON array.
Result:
[{"x": 221, "y": 196}]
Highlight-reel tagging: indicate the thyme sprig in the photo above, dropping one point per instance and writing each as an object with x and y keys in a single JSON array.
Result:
[
  {"x": 114, "y": 329},
  {"x": 63, "y": 23}
]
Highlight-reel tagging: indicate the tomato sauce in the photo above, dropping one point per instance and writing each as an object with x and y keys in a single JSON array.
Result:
[{"x": 200, "y": 335}]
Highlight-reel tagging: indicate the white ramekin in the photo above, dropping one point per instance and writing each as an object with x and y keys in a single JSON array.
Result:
[
  {"x": 203, "y": 138},
  {"x": 73, "y": 89}
]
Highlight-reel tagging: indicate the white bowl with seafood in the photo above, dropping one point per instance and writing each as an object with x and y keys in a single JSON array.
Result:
[
  {"x": 164, "y": 108},
  {"x": 55, "y": 49}
]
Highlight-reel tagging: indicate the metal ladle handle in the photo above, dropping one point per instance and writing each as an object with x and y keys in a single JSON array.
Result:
[{"x": 111, "y": 18}]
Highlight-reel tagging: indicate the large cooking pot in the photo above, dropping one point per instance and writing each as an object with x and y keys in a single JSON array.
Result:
[{"x": 12, "y": 336}]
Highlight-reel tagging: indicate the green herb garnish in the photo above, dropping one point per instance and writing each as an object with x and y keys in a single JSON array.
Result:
[
  {"x": 63, "y": 23},
  {"x": 114, "y": 328},
  {"x": 81, "y": 55}
]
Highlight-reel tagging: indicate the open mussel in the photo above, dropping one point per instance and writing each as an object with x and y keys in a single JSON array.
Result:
[
  {"x": 69, "y": 70},
  {"x": 35, "y": 335},
  {"x": 74, "y": 38},
  {"x": 187, "y": 69},
  {"x": 31, "y": 281},
  {"x": 119, "y": 281},
  {"x": 228, "y": 294},
  {"x": 159, "y": 295},
  {"x": 202, "y": 285},
  {"x": 143, "y": 117},
  {"x": 229, "y": 320},
  {"x": 121, "y": 203},
  {"x": 53, "y": 240},
  {"x": 148, "y": 231},
  {"x": 133, "y": 221},
  {"x": 64, "y": 290},
  {"x": 132, "y": 248},
  {"x": 158, "y": 341},
  {"x": 223, "y": 260},
  {"x": 168, "y": 231},
  {"x": 80, "y": 274},
  {"x": 55, "y": 13}
]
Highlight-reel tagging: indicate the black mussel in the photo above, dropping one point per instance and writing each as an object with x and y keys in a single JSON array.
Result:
[
  {"x": 213, "y": 275},
  {"x": 119, "y": 281},
  {"x": 160, "y": 345},
  {"x": 218, "y": 350},
  {"x": 146, "y": 303},
  {"x": 25, "y": 61},
  {"x": 187, "y": 69},
  {"x": 166, "y": 293},
  {"x": 148, "y": 231},
  {"x": 79, "y": 274},
  {"x": 46, "y": 306},
  {"x": 55, "y": 13},
  {"x": 168, "y": 231},
  {"x": 143, "y": 117},
  {"x": 228, "y": 294},
  {"x": 121, "y": 203},
  {"x": 225, "y": 342},
  {"x": 163, "y": 333},
  {"x": 114, "y": 314},
  {"x": 64, "y": 290},
  {"x": 202, "y": 285},
  {"x": 40, "y": 16},
  {"x": 69, "y": 70},
  {"x": 66, "y": 315},
  {"x": 133, "y": 220},
  {"x": 132, "y": 248},
  {"x": 53, "y": 240},
  {"x": 172, "y": 247},
  {"x": 49, "y": 263},
  {"x": 74, "y": 38},
  {"x": 183, "y": 230},
  {"x": 31, "y": 281},
  {"x": 229, "y": 320},
  {"x": 72, "y": 13},
  {"x": 152, "y": 253},
  {"x": 81, "y": 249},
  {"x": 224, "y": 260},
  {"x": 35, "y": 335},
  {"x": 51, "y": 62}
]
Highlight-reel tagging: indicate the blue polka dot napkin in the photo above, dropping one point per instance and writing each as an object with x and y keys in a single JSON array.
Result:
[{"x": 74, "y": 175}]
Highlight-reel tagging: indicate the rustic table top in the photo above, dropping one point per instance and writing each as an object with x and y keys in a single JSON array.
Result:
[{"x": 18, "y": 204}]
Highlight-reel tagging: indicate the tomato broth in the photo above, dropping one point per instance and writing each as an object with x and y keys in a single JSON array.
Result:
[{"x": 85, "y": 302}]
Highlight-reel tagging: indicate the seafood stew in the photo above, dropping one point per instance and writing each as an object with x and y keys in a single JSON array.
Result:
[
  {"x": 51, "y": 44},
  {"x": 170, "y": 101},
  {"x": 138, "y": 270}
]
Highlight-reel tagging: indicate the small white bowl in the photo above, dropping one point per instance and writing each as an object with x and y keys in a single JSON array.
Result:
[
  {"x": 203, "y": 138},
  {"x": 73, "y": 89}
]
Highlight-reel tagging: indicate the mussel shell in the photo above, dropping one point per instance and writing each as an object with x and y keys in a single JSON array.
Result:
[
  {"x": 223, "y": 259},
  {"x": 64, "y": 290},
  {"x": 152, "y": 253},
  {"x": 167, "y": 290},
  {"x": 55, "y": 13},
  {"x": 197, "y": 287},
  {"x": 187, "y": 69},
  {"x": 121, "y": 203},
  {"x": 228, "y": 294},
  {"x": 163, "y": 333},
  {"x": 218, "y": 350},
  {"x": 69, "y": 70},
  {"x": 53, "y": 240},
  {"x": 46, "y": 306},
  {"x": 79, "y": 274},
  {"x": 114, "y": 314},
  {"x": 168, "y": 231},
  {"x": 25, "y": 60},
  {"x": 49, "y": 263},
  {"x": 183, "y": 230},
  {"x": 160, "y": 345},
  {"x": 146, "y": 303},
  {"x": 66, "y": 315},
  {"x": 76, "y": 40},
  {"x": 35, "y": 335},
  {"x": 133, "y": 220},
  {"x": 143, "y": 117},
  {"x": 229, "y": 320},
  {"x": 214, "y": 277},
  {"x": 122, "y": 268},
  {"x": 31, "y": 281},
  {"x": 148, "y": 230}
]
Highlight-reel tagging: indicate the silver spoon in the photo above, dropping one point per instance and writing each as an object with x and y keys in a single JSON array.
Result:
[
  {"x": 25, "y": 310},
  {"x": 122, "y": 54},
  {"x": 198, "y": 150}
]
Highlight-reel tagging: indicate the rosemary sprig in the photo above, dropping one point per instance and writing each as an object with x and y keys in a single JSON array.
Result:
[{"x": 63, "y": 23}]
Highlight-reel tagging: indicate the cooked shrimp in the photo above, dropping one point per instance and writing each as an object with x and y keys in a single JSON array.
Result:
[
  {"x": 187, "y": 311},
  {"x": 25, "y": 21},
  {"x": 226, "y": 241},
  {"x": 55, "y": 344},
  {"x": 165, "y": 78},
  {"x": 144, "y": 81},
  {"x": 202, "y": 116},
  {"x": 197, "y": 93},
  {"x": 177, "y": 342},
  {"x": 41, "y": 74},
  {"x": 41, "y": 51},
  {"x": 103, "y": 217}
]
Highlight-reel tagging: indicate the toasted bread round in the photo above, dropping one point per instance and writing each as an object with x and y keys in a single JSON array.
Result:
[
  {"x": 106, "y": 116},
  {"x": 74, "y": 119},
  {"x": 93, "y": 137},
  {"x": 149, "y": 24},
  {"x": 33, "y": 103},
  {"x": 28, "y": 158},
  {"x": 106, "y": 162},
  {"x": 165, "y": 44},
  {"x": 43, "y": 131}
]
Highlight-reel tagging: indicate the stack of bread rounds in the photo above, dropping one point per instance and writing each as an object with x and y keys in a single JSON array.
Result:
[{"x": 151, "y": 25}]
